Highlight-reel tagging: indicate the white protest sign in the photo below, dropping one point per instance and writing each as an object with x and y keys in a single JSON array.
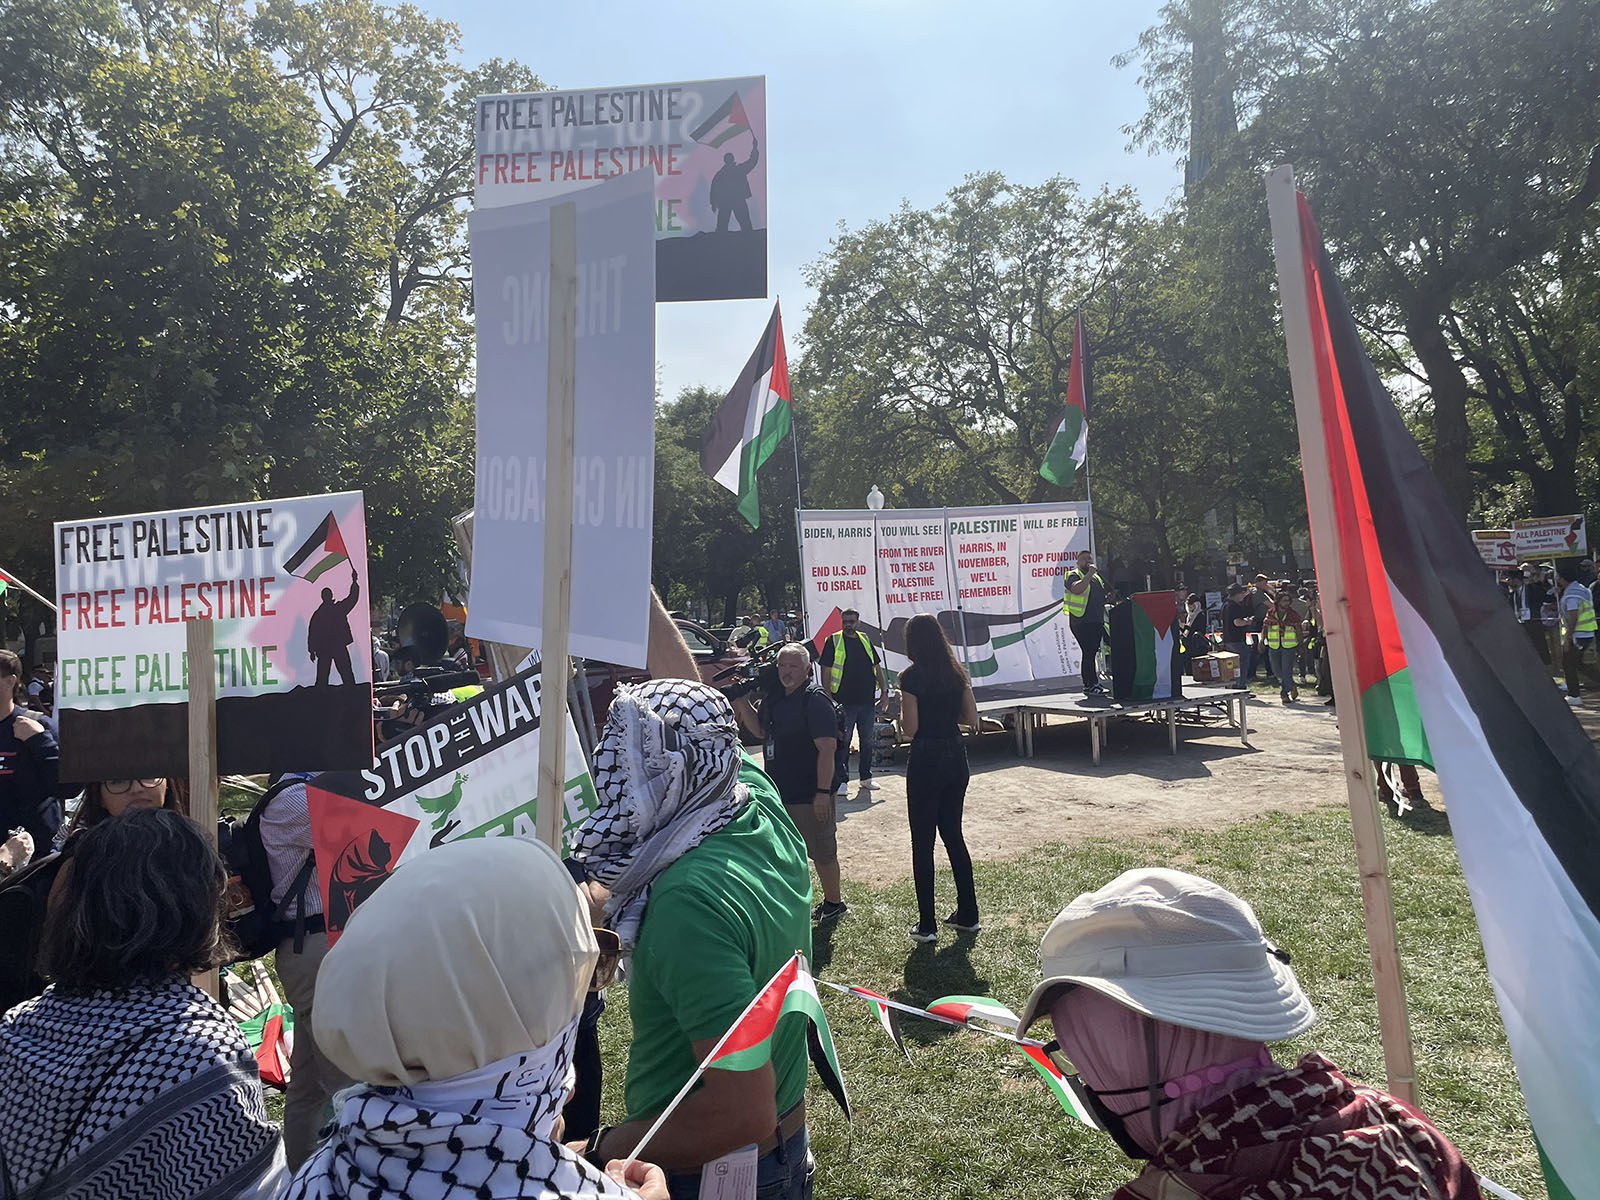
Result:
[
  {"x": 614, "y": 447},
  {"x": 472, "y": 771},
  {"x": 1052, "y": 536},
  {"x": 702, "y": 145},
  {"x": 1551, "y": 536},
  {"x": 282, "y": 582}
]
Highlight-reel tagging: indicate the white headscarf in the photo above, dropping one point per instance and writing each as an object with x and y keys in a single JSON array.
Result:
[{"x": 454, "y": 994}]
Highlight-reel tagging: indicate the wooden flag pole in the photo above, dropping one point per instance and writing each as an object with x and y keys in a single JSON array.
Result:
[
  {"x": 560, "y": 432},
  {"x": 203, "y": 743},
  {"x": 1371, "y": 859}
]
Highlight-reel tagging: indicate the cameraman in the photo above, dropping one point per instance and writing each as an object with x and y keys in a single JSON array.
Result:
[{"x": 801, "y": 731}]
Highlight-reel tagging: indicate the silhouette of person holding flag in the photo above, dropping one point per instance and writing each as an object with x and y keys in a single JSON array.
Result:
[
  {"x": 328, "y": 635},
  {"x": 730, "y": 189}
]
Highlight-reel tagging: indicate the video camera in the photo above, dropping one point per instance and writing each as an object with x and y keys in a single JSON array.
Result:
[{"x": 758, "y": 673}]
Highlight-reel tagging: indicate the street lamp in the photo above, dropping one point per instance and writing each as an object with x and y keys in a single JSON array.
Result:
[{"x": 875, "y": 499}]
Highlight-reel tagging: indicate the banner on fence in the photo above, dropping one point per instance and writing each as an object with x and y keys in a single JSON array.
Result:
[
  {"x": 991, "y": 575},
  {"x": 281, "y": 580}
]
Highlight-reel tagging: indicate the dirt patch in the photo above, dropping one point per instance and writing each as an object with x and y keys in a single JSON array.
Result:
[{"x": 1014, "y": 805}]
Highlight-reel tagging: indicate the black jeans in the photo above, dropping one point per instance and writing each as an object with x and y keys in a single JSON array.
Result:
[
  {"x": 1540, "y": 639},
  {"x": 936, "y": 790},
  {"x": 1571, "y": 662},
  {"x": 1089, "y": 634}
]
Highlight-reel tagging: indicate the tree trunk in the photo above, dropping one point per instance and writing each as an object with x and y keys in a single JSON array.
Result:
[{"x": 1451, "y": 435}]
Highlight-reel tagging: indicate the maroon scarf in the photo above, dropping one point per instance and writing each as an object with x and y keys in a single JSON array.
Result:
[{"x": 1306, "y": 1134}]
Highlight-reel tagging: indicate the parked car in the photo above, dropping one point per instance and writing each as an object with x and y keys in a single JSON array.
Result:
[{"x": 715, "y": 658}]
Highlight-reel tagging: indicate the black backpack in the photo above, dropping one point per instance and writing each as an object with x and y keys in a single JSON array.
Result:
[
  {"x": 24, "y": 899},
  {"x": 255, "y": 922}
]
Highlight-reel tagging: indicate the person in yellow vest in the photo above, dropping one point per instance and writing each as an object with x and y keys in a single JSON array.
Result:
[
  {"x": 850, "y": 666},
  {"x": 1084, "y": 602},
  {"x": 1281, "y": 631},
  {"x": 1578, "y": 625}
]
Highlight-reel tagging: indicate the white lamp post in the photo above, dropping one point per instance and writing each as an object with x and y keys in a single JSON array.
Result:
[{"x": 875, "y": 499}]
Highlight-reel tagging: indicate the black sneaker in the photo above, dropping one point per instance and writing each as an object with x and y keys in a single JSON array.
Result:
[
  {"x": 827, "y": 911},
  {"x": 918, "y": 934},
  {"x": 962, "y": 923}
]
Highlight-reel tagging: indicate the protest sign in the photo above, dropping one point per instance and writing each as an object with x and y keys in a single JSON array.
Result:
[
  {"x": 1496, "y": 547},
  {"x": 702, "y": 145},
  {"x": 614, "y": 446},
  {"x": 991, "y": 575},
  {"x": 472, "y": 771},
  {"x": 1551, "y": 536},
  {"x": 281, "y": 580}
]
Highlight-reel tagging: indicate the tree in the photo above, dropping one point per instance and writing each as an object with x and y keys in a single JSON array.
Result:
[
  {"x": 703, "y": 548},
  {"x": 938, "y": 349},
  {"x": 1443, "y": 145},
  {"x": 235, "y": 265}
]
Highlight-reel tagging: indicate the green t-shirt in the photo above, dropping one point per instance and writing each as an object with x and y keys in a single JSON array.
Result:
[{"x": 721, "y": 921}]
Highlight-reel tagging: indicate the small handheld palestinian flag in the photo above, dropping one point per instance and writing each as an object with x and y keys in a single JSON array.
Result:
[
  {"x": 967, "y": 1009},
  {"x": 1444, "y": 671},
  {"x": 8, "y": 580},
  {"x": 888, "y": 1012},
  {"x": 750, "y": 422},
  {"x": 319, "y": 553},
  {"x": 748, "y": 1043},
  {"x": 1069, "y": 448}
]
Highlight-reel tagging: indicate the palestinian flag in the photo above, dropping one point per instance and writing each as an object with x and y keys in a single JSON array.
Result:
[
  {"x": 748, "y": 1044},
  {"x": 1060, "y": 1086},
  {"x": 1445, "y": 670},
  {"x": 887, "y": 1013},
  {"x": 750, "y": 422},
  {"x": 966, "y": 1009},
  {"x": 725, "y": 124},
  {"x": 319, "y": 553},
  {"x": 5, "y": 582},
  {"x": 1069, "y": 448},
  {"x": 1145, "y": 662}
]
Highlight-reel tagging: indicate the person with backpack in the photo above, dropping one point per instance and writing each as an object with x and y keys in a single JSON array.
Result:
[
  {"x": 801, "y": 728},
  {"x": 277, "y": 836}
]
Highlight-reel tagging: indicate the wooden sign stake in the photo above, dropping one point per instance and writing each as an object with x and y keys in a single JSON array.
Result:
[
  {"x": 203, "y": 743},
  {"x": 560, "y": 429},
  {"x": 1372, "y": 860}
]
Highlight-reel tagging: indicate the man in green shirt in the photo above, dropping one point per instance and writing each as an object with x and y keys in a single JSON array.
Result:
[{"x": 711, "y": 890}]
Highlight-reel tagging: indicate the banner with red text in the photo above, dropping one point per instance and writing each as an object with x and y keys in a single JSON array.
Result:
[
  {"x": 991, "y": 575},
  {"x": 705, "y": 142},
  {"x": 283, "y": 583}
]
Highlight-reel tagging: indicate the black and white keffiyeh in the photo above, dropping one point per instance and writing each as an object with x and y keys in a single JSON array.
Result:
[
  {"x": 487, "y": 1134},
  {"x": 148, "y": 1092},
  {"x": 667, "y": 772}
]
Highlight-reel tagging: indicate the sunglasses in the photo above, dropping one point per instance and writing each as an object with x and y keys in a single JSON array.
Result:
[
  {"x": 117, "y": 786},
  {"x": 605, "y": 967}
]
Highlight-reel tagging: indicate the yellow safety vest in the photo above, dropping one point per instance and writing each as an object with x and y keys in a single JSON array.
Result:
[
  {"x": 1586, "y": 626},
  {"x": 465, "y": 692},
  {"x": 833, "y": 673},
  {"x": 1285, "y": 636},
  {"x": 1077, "y": 603},
  {"x": 761, "y": 637}
]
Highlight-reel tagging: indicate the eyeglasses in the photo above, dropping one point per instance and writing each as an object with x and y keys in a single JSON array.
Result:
[
  {"x": 605, "y": 967},
  {"x": 117, "y": 786}
]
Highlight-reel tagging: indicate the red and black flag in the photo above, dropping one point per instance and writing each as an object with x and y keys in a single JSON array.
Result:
[{"x": 1447, "y": 676}]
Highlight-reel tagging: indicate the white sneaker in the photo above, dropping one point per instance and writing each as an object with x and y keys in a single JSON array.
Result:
[
  {"x": 1575, "y": 701},
  {"x": 843, "y": 793},
  {"x": 868, "y": 785}
]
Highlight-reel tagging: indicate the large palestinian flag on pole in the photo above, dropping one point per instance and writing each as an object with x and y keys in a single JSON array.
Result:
[
  {"x": 750, "y": 422},
  {"x": 1069, "y": 448},
  {"x": 1145, "y": 662},
  {"x": 1437, "y": 645}
]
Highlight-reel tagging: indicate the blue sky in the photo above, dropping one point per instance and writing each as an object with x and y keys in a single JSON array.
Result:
[{"x": 869, "y": 103}]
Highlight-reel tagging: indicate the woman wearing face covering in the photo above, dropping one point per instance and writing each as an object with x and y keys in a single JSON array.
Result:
[
  {"x": 454, "y": 994},
  {"x": 1163, "y": 992}
]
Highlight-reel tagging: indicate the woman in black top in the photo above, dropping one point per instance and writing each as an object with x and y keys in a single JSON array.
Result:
[{"x": 935, "y": 697}]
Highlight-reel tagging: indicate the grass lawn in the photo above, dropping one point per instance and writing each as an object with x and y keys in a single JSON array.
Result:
[{"x": 969, "y": 1118}]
